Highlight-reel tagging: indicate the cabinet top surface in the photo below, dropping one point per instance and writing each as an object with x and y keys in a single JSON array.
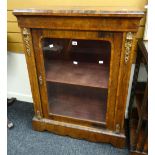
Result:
[{"x": 82, "y": 11}]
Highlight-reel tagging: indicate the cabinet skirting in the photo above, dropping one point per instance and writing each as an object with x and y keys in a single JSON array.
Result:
[{"x": 79, "y": 131}]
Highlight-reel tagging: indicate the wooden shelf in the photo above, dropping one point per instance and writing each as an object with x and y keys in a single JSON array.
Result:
[
  {"x": 133, "y": 126},
  {"x": 84, "y": 74},
  {"x": 139, "y": 98},
  {"x": 77, "y": 101},
  {"x": 140, "y": 87}
]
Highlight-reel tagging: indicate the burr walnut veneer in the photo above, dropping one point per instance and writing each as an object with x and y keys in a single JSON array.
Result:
[{"x": 79, "y": 63}]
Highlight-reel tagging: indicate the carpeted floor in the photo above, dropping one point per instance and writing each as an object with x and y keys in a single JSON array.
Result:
[{"x": 22, "y": 140}]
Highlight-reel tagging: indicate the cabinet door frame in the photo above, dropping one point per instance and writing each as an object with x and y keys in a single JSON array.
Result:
[
  {"x": 115, "y": 38},
  {"x": 128, "y": 55}
]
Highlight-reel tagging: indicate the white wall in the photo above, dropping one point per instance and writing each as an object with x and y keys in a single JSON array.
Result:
[{"x": 17, "y": 77}]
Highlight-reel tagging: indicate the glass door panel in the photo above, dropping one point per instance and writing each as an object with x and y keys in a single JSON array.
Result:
[{"x": 77, "y": 74}]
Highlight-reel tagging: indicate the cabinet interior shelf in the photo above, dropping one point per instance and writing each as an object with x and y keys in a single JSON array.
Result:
[
  {"x": 83, "y": 74},
  {"x": 77, "y": 101}
]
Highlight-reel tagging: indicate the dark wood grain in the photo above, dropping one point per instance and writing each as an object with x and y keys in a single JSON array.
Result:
[
  {"x": 142, "y": 141},
  {"x": 89, "y": 133},
  {"x": 91, "y": 103},
  {"x": 139, "y": 125},
  {"x": 143, "y": 50},
  {"x": 139, "y": 100},
  {"x": 78, "y": 23}
]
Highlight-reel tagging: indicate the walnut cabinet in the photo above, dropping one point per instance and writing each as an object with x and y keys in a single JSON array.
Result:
[{"x": 79, "y": 63}]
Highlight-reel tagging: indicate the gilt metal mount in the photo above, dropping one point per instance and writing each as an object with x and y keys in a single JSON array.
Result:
[
  {"x": 128, "y": 46},
  {"x": 26, "y": 38}
]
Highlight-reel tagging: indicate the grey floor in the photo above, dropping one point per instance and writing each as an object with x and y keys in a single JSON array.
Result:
[{"x": 22, "y": 140}]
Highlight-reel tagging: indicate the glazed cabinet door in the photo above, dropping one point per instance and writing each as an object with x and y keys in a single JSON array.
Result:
[{"x": 78, "y": 75}]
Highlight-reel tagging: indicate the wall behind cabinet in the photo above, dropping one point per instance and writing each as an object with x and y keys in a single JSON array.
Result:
[{"x": 18, "y": 82}]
